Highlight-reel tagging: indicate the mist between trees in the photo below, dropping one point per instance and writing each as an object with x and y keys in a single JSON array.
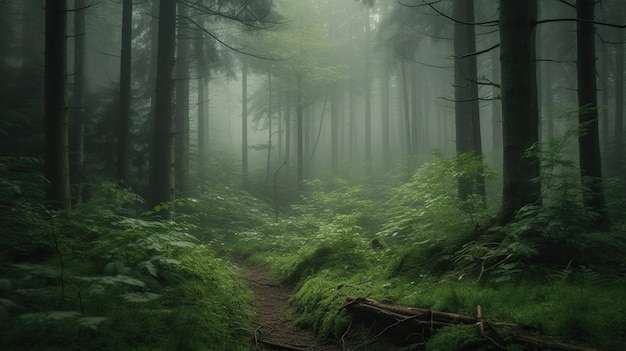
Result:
[{"x": 297, "y": 90}]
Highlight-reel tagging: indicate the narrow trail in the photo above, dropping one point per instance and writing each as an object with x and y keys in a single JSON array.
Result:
[
  {"x": 275, "y": 322},
  {"x": 276, "y": 319}
]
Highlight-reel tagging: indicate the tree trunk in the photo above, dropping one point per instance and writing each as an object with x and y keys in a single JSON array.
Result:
[
  {"x": 519, "y": 126},
  {"x": 368, "y": 91},
  {"x": 77, "y": 150},
  {"x": 384, "y": 112},
  {"x": 352, "y": 124},
  {"x": 407, "y": 121},
  {"x": 467, "y": 112},
  {"x": 182, "y": 101},
  {"x": 162, "y": 182},
  {"x": 619, "y": 102},
  {"x": 496, "y": 104},
  {"x": 202, "y": 123},
  {"x": 269, "y": 133},
  {"x": 334, "y": 127},
  {"x": 123, "y": 119},
  {"x": 589, "y": 141},
  {"x": 244, "y": 125},
  {"x": 56, "y": 159},
  {"x": 299, "y": 136}
]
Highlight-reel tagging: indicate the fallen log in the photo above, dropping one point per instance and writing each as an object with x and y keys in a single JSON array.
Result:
[{"x": 410, "y": 324}]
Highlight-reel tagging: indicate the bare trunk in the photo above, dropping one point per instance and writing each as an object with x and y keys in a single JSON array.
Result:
[
  {"x": 519, "y": 129},
  {"x": 588, "y": 141},
  {"x": 162, "y": 173},
  {"x": 56, "y": 160},
  {"x": 123, "y": 121},
  {"x": 244, "y": 125},
  {"x": 77, "y": 149},
  {"x": 181, "y": 115}
]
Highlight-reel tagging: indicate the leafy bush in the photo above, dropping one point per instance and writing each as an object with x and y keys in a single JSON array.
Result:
[
  {"x": 117, "y": 281},
  {"x": 427, "y": 221}
]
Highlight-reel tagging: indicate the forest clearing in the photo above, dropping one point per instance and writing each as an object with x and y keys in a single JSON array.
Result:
[{"x": 442, "y": 175}]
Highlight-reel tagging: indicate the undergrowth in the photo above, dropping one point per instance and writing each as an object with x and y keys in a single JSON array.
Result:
[
  {"x": 420, "y": 245},
  {"x": 107, "y": 276}
]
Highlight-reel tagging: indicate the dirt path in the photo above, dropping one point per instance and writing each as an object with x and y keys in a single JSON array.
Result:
[
  {"x": 275, "y": 322},
  {"x": 276, "y": 328}
]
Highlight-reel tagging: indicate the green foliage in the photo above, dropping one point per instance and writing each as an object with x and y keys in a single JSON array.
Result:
[
  {"x": 458, "y": 337},
  {"x": 428, "y": 220},
  {"x": 116, "y": 281}
]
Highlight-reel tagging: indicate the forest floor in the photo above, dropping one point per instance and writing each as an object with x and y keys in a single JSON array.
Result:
[{"x": 276, "y": 328}]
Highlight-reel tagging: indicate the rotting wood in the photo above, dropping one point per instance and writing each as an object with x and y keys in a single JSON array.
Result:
[
  {"x": 282, "y": 346},
  {"x": 421, "y": 321}
]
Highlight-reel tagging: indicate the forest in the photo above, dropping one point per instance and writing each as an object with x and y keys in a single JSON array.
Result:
[{"x": 394, "y": 174}]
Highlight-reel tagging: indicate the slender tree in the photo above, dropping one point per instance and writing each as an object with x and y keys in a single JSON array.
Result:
[
  {"x": 123, "y": 119},
  {"x": 467, "y": 112},
  {"x": 244, "y": 124},
  {"x": 163, "y": 134},
  {"x": 589, "y": 140},
  {"x": 78, "y": 117},
  {"x": 181, "y": 113},
  {"x": 519, "y": 119},
  {"x": 619, "y": 98},
  {"x": 56, "y": 159}
]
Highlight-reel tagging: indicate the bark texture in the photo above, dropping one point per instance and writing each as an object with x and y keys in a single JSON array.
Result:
[
  {"x": 56, "y": 159},
  {"x": 519, "y": 117},
  {"x": 162, "y": 175}
]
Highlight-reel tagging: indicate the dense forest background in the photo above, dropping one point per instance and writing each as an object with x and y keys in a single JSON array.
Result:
[{"x": 443, "y": 154}]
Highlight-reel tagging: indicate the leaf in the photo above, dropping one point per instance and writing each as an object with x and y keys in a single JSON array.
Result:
[
  {"x": 152, "y": 270},
  {"x": 49, "y": 316},
  {"x": 7, "y": 303},
  {"x": 140, "y": 296},
  {"x": 91, "y": 322}
]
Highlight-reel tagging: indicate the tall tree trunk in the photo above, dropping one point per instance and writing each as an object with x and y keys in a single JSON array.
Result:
[
  {"x": 123, "y": 119},
  {"x": 604, "y": 80},
  {"x": 288, "y": 125},
  {"x": 416, "y": 109},
  {"x": 181, "y": 115},
  {"x": 334, "y": 127},
  {"x": 244, "y": 125},
  {"x": 352, "y": 124},
  {"x": 154, "y": 46},
  {"x": 56, "y": 159},
  {"x": 269, "y": 133},
  {"x": 467, "y": 112},
  {"x": 162, "y": 173},
  {"x": 619, "y": 101},
  {"x": 384, "y": 112},
  {"x": 77, "y": 150},
  {"x": 299, "y": 136},
  {"x": 519, "y": 129},
  {"x": 368, "y": 91},
  {"x": 407, "y": 121},
  {"x": 496, "y": 104},
  {"x": 203, "y": 123},
  {"x": 589, "y": 141}
]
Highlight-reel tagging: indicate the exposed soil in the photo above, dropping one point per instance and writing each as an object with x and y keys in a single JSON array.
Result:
[
  {"x": 276, "y": 318},
  {"x": 276, "y": 328}
]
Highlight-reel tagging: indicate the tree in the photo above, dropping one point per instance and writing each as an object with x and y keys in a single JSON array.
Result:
[
  {"x": 519, "y": 117},
  {"x": 589, "y": 140},
  {"x": 123, "y": 121},
  {"x": 56, "y": 160},
  {"x": 467, "y": 115},
  {"x": 78, "y": 125},
  {"x": 161, "y": 176},
  {"x": 182, "y": 100},
  {"x": 244, "y": 124}
]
